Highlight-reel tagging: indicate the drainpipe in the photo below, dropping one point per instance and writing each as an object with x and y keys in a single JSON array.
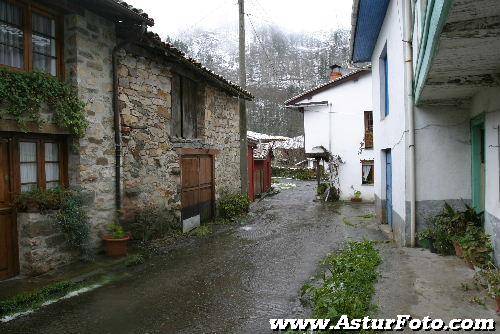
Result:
[
  {"x": 410, "y": 111},
  {"x": 116, "y": 117}
]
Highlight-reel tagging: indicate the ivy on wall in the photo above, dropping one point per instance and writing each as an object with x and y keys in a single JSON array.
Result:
[{"x": 24, "y": 94}]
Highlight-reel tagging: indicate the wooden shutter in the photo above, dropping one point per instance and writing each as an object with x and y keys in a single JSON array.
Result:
[
  {"x": 176, "y": 106},
  {"x": 189, "y": 108}
]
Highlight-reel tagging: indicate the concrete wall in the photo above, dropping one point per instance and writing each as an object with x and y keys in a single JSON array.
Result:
[
  {"x": 487, "y": 102},
  {"x": 339, "y": 127},
  {"x": 389, "y": 131},
  {"x": 443, "y": 165}
]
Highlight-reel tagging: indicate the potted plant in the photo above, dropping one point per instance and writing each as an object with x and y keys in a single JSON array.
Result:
[
  {"x": 493, "y": 279},
  {"x": 426, "y": 239},
  {"x": 476, "y": 247},
  {"x": 357, "y": 197},
  {"x": 116, "y": 241}
]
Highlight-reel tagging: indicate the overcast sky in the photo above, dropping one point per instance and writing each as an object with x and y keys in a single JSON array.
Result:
[{"x": 172, "y": 17}]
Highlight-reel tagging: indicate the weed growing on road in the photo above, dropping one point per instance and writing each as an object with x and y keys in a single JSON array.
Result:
[
  {"x": 347, "y": 222},
  {"x": 202, "y": 231},
  {"x": 30, "y": 300},
  {"x": 135, "y": 260},
  {"x": 348, "y": 284}
]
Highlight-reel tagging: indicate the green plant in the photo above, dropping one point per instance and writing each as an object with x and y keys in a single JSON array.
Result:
[
  {"x": 304, "y": 174},
  {"x": 116, "y": 231},
  {"x": 155, "y": 222},
  {"x": 40, "y": 200},
  {"x": 135, "y": 260},
  {"x": 72, "y": 220},
  {"x": 450, "y": 225},
  {"x": 202, "y": 231},
  {"x": 348, "y": 285},
  {"x": 29, "y": 300},
  {"x": 492, "y": 276},
  {"x": 322, "y": 189},
  {"x": 24, "y": 94},
  {"x": 477, "y": 247},
  {"x": 232, "y": 206},
  {"x": 357, "y": 194}
]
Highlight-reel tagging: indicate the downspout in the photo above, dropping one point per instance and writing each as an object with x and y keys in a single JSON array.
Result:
[
  {"x": 116, "y": 118},
  {"x": 410, "y": 112}
]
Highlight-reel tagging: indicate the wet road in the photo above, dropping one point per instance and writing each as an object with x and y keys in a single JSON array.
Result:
[{"x": 228, "y": 283}]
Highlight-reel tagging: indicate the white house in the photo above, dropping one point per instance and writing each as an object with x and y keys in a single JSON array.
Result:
[
  {"x": 436, "y": 98},
  {"x": 338, "y": 117}
]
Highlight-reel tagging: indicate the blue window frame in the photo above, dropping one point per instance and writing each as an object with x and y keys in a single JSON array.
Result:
[{"x": 386, "y": 85}]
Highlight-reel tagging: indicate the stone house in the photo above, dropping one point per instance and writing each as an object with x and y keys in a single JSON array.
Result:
[
  {"x": 163, "y": 130},
  {"x": 436, "y": 108}
]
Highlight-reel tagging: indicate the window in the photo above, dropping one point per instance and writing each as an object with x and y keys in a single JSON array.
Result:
[
  {"x": 384, "y": 83},
  {"x": 40, "y": 164},
  {"x": 28, "y": 38},
  {"x": 367, "y": 171},
  {"x": 368, "y": 129},
  {"x": 186, "y": 102}
]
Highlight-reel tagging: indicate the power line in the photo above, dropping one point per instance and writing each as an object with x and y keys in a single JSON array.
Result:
[{"x": 262, "y": 46}]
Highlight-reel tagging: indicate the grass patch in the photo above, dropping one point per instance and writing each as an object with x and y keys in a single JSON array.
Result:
[
  {"x": 202, "y": 231},
  {"x": 32, "y": 300},
  {"x": 347, "y": 222},
  {"x": 135, "y": 260},
  {"x": 367, "y": 216},
  {"x": 347, "y": 285}
]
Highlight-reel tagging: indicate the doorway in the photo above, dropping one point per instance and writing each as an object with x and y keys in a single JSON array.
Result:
[
  {"x": 478, "y": 163},
  {"x": 9, "y": 265}
]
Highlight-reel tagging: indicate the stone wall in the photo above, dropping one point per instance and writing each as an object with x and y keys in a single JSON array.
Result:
[
  {"x": 151, "y": 170},
  {"x": 151, "y": 174},
  {"x": 89, "y": 41},
  {"x": 222, "y": 133},
  {"x": 41, "y": 246}
]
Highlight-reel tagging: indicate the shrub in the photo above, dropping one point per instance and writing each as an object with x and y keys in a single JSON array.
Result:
[
  {"x": 72, "y": 220},
  {"x": 349, "y": 285},
  {"x": 232, "y": 206},
  {"x": 322, "y": 188},
  {"x": 154, "y": 222},
  {"x": 476, "y": 246},
  {"x": 304, "y": 174}
]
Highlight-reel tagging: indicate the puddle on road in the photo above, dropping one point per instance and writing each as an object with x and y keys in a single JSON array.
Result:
[{"x": 247, "y": 228}]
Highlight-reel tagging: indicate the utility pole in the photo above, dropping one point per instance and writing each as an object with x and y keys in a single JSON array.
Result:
[{"x": 243, "y": 107}]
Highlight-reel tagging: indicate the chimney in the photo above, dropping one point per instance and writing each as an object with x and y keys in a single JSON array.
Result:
[{"x": 336, "y": 72}]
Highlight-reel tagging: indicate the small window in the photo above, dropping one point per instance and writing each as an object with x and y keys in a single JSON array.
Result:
[
  {"x": 384, "y": 83},
  {"x": 368, "y": 129},
  {"x": 29, "y": 166},
  {"x": 28, "y": 38},
  {"x": 367, "y": 171},
  {"x": 185, "y": 105},
  {"x": 40, "y": 164}
]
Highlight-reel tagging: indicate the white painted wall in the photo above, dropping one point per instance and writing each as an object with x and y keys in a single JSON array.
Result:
[
  {"x": 343, "y": 119},
  {"x": 488, "y": 102},
  {"x": 443, "y": 153},
  {"x": 389, "y": 131}
]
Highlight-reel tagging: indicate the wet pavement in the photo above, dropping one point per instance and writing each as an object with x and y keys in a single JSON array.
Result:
[{"x": 231, "y": 282}]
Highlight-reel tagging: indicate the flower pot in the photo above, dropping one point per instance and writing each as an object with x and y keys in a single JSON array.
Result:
[
  {"x": 458, "y": 249},
  {"x": 116, "y": 247},
  {"x": 497, "y": 300},
  {"x": 356, "y": 199}
]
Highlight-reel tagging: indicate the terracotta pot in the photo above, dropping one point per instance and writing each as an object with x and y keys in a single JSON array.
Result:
[
  {"x": 116, "y": 247},
  {"x": 497, "y": 300},
  {"x": 458, "y": 249},
  {"x": 356, "y": 199}
]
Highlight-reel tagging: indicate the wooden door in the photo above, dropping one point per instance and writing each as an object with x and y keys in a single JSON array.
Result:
[
  {"x": 197, "y": 186},
  {"x": 8, "y": 232}
]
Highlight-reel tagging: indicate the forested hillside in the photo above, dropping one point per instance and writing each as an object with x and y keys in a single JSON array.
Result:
[{"x": 279, "y": 65}]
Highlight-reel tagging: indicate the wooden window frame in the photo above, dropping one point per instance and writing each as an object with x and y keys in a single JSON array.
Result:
[
  {"x": 40, "y": 140},
  {"x": 28, "y": 7},
  {"x": 181, "y": 102},
  {"x": 368, "y": 114},
  {"x": 365, "y": 163}
]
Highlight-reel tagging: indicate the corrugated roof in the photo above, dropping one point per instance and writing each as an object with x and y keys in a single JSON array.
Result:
[
  {"x": 194, "y": 64},
  {"x": 313, "y": 91}
]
